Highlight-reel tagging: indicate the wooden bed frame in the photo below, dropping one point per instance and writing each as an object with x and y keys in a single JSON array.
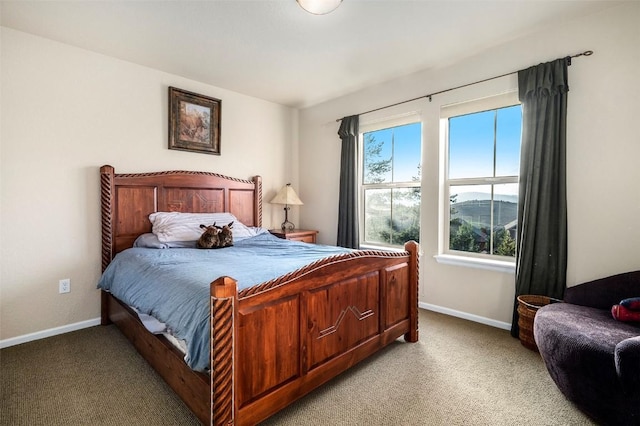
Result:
[{"x": 272, "y": 343}]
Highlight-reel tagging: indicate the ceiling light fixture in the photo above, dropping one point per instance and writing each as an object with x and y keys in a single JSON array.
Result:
[{"x": 319, "y": 7}]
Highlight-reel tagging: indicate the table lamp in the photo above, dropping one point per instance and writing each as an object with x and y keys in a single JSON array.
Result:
[{"x": 288, "y": 197}]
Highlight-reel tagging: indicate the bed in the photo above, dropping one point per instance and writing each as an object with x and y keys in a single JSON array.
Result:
[{"x": 271, "y": 343}]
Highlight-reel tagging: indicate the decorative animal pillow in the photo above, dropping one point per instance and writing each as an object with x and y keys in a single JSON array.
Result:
[
  {"x": 225, "y": 237},
  {"x": 216, "y": 236},
  {"x": 209, "y": 238}
]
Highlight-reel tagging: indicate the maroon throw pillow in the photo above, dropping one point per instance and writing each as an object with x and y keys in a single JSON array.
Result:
[
  {"x": 620, "y": 313},
  {"x": 632, "y": 303}
]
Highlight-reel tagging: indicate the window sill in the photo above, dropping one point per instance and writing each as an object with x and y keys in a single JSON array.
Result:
[
  {"x": 381, "y": 248},
  {"x": 470, "y": 262}
]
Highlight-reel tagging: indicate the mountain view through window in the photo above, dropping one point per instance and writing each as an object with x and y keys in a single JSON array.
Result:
[{"x": 484, "y": 161}]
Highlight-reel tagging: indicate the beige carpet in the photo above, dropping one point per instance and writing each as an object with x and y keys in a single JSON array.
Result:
[{"x": 460, "y": 373}]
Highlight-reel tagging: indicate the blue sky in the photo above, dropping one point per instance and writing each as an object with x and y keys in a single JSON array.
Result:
[{"x": 471, "y": 143}]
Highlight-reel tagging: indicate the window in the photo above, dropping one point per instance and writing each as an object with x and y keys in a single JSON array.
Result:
[
  {"x": 390, "y": 185},
  {"x": 483, "y": 153}
]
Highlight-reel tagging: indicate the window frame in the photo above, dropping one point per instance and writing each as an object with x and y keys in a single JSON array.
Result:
[
  {"x": 412, "y": 117},
  {"x": 458, "y": 257}
]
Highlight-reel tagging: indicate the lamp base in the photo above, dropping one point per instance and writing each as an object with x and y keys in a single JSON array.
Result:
[{"x": 287, "y": 226}]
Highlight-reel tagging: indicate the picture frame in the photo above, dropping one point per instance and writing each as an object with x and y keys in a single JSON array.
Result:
[{"x": 194, "y": 122}]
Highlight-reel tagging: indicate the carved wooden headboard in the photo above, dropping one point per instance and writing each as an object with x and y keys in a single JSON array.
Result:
[{"x": 128, "y": 200}]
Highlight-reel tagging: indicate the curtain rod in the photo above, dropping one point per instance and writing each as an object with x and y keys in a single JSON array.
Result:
[{"x": 585, "y": 53}]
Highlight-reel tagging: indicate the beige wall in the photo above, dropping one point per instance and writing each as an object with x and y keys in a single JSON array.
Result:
[
  {"x": 67, "y": 111},
  {"x": 603, "y": 150}
]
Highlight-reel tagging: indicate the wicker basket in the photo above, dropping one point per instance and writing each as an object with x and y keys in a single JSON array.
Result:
[{"x": 528, "y": 305}]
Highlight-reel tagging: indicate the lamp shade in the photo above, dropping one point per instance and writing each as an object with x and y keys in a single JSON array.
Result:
[
  {"x": 287, "y": 196},
  {"x": 319, "y": 7}
]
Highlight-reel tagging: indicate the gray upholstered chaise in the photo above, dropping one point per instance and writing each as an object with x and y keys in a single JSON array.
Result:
[{"x": 594, "y": 359}]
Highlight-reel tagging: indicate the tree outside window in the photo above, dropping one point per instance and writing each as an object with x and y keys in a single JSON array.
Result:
[{"x": 391, "y": 185}]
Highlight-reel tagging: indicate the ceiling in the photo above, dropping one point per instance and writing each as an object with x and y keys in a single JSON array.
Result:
[{"x": 274, "y": 50}]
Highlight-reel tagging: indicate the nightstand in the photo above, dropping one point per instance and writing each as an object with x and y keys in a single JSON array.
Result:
[{"x": 305, "y": 235}]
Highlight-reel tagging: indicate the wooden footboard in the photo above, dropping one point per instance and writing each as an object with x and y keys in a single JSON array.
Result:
[{"x": 274, "y": 343}]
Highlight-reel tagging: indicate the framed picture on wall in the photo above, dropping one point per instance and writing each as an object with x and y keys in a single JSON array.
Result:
[{"x": 194, "y": 122}]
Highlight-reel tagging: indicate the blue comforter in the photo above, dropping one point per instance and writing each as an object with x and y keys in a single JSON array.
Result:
[{"x": 172, "y": 285}]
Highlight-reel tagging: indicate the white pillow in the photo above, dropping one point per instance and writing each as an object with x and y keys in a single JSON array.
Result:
[
  {"x": 150, "y": 240},
  {"x": 176, "y": 226}
]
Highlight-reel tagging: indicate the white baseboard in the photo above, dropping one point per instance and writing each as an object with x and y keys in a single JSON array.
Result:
[
  {"x": 465, "y": 315},
  {"x": 48, "y": 333}
]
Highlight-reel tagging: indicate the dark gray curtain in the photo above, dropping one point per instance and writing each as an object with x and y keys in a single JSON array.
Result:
[
  {"x": 348, "y": 202},
  {"x": 541, "y": 252}
]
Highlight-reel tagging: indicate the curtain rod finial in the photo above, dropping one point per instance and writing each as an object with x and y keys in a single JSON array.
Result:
[{"x": 585, "y": 53}]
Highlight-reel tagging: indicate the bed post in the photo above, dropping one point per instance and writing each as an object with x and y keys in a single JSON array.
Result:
[
  {"x": 257, "y": 201},
  {"x": 224, "y": 297},
  {"x": 413, "y": 248},
  {"x": 106, "y": 207}
]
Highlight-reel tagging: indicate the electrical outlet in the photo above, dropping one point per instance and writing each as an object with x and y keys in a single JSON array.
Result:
[{"x": 64, "y": 286}]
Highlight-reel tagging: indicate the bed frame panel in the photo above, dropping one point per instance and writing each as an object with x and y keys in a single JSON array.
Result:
[{"x": 274, "y": 342}]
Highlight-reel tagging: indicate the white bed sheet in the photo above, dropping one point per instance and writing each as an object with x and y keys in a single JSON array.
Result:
[{"x": 155, "y": 326}]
